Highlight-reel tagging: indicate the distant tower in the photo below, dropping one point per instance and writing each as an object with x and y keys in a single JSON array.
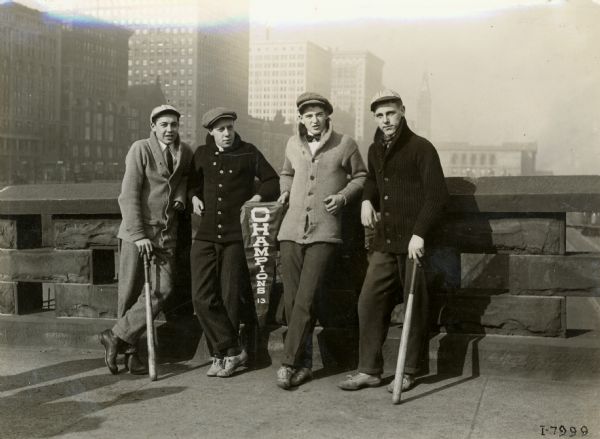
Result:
[{"x": 424, "y": 109}]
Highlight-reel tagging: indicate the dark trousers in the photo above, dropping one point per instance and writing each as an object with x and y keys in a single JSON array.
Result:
[
  {"x": 131, "y": 309},
  {"x": 303, "y": 271},
  {"x": 219, "y": 280},
  {"x": 386, "y": 276}
]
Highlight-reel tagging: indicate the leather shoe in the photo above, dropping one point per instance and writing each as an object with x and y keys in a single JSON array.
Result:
[
  {"x": 301, "y": 376},
  {"x": 360, "y": 381},
  {"x": 408, "y": 382},
  {"x": 134, "y": 365},
  {"x": 284, "y": 376},
  {"x": 111, "y": 345}
]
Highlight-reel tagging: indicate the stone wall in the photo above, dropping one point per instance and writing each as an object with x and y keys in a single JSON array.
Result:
[{"x": 497, "y": 262}]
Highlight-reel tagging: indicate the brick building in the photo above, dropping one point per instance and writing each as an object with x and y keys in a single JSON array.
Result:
[
  {"x": 355, "y": 77},
  {"x": 94, "y": 110},
  {"x": 200, "y": 57},
  {"x": 29, "y": 98},
  {"x": 280, "y": 71}
]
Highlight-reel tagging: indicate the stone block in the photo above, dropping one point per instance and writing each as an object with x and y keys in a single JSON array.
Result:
[
  {"x": 501, "y": 314},
  {"x": 564, "y": 193},
  {"x": 45, "y": 265},
  {"x": 8, "y": 294},
  {"x": 86, "y": 300},
  {"x": 8, "y": 233},
  {"x": 84, "y": 233},
  {"x": 20, "y": 232},
  {"x": 575, "y": 274},
  {"x": 486, "y": 233}
]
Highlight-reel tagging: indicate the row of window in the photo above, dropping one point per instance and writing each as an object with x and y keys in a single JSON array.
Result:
[{"x": 462, "y": 158}]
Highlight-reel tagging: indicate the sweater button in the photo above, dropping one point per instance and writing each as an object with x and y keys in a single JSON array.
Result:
[
  {"x": 221, "y": 172},
  {"x": 214, "y": 163},
  {"x": 387, "y": 214},
  {"x": 220, "y": 185},
  {"x": 312, "y": 177},
  {"x": 308, "y": 209},
  {"x": 386, "y": 179},
  {"x": 389, "y": 241},
  {"x": 219, "y": 236},
  {"x": 218, "y": 212},
  {"x": 219, "y": 199},
  {"x": 385, "y": 197},
  {"x": 219, "y": 226}
]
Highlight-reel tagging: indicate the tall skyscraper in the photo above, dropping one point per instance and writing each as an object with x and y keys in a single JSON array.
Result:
[
  {"x": 94, "y": 111},
  {"x": 29, "y": 96},
  {"x": 355, "y": 77},
  {"x": 280, "y": 71},
  {"x": 424, "y": 109},
  {"x": 199, "y": 57}
]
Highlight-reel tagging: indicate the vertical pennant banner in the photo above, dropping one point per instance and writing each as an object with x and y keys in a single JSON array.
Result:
[{"x": 260, "y": 225}]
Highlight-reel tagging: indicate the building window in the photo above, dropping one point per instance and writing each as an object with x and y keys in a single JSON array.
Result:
[
  {"x": 88, "y": 125},
  {"x": 98, "y": 126}
]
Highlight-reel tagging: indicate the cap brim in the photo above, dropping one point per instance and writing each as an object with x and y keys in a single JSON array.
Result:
[
  {"x": 384, "y": 99},
  {"x": 318, "y": 103},
  {"x": 209, "y": 125},
  {"x": 169, "y": 111}
]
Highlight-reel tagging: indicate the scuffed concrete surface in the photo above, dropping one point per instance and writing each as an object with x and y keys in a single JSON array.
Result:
[{"x": 70, "y": 394}]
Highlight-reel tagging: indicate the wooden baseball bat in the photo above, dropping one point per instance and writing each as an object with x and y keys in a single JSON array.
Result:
[
  {"x": 149, "y": 321},
  {"x": 404, "y": 339}
]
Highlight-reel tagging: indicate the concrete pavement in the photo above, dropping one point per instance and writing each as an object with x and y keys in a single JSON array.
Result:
[{"x": 70, "y": 394}]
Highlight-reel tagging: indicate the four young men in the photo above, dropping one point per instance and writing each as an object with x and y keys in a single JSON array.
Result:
[{"x": 404, "y": 194}]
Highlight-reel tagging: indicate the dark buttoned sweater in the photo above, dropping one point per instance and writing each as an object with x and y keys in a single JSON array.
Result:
[
  {"x": 224, "y": 181},
  {"x": 406, "y": 185}
]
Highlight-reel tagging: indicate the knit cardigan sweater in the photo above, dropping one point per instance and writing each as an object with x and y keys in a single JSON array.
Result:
[
  {"x": 224, "y": 181},
  {"x": 406, "y": 184},
  {"x": 148, "y": 192},
  {"x": 336, "y": 168}
]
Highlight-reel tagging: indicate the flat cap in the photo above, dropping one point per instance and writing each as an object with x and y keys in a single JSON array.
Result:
[
  {"x": 214, "y": 114},
  {"x": 310, "y": 98},
  {"x": 385, "y": 95},
  {"x": 163, "y": 109}
]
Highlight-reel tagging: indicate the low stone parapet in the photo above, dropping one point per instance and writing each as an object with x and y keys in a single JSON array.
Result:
[
  {"x": 45, "y": 265},
  {"x": 86, "y": 300},
  {"x": 77, "y": 233},
  {"x": 565, "y": 275}
]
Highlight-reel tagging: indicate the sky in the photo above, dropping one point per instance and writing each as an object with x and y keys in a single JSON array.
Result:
[{"x": 499, "y": 70}]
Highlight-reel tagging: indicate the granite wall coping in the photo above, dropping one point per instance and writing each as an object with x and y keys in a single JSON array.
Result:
[{"x": 571, "y": 193}]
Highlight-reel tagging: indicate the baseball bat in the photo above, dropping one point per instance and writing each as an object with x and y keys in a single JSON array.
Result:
[
  {"x": 149, "y": 321},
  {"x": 396, "y": 394}
]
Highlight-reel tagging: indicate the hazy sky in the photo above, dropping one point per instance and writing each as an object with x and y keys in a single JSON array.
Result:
[
  {"x": 510, "y": 73},
  {"x": 499, "y": 70}
]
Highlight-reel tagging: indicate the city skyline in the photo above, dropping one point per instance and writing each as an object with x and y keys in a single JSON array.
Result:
[{"x": 495, "y": 75}]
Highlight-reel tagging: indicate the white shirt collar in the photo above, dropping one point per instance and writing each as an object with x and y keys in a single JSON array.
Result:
[{"x": 163, "y": 146}]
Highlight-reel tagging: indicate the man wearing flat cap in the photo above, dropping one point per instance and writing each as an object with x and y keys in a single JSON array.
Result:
[
  {"x": 404, "y": 195},
  {"x": 222, "y": 179},
  {"x": 152, "y": 193},
  {"x": 322, "y": 172}
]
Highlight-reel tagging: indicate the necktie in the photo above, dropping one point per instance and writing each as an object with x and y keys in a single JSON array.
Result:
[
  {"x": 315, "y": 138},
  {"x": 169, "y": 160}
]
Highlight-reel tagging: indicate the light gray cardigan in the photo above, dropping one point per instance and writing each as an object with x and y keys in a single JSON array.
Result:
[
  {"x": 148, "y": 192},
  {"x": 336, "y": 168}
]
